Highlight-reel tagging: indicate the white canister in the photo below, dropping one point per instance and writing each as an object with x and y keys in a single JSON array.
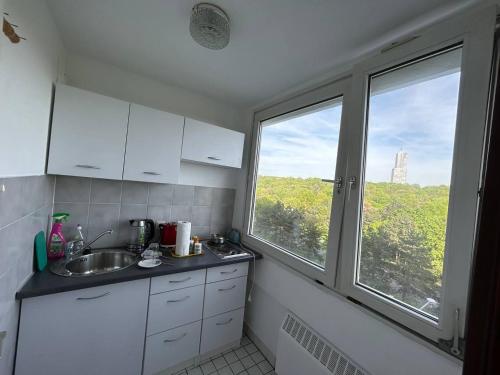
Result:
[{"x": 183, "y": 238}]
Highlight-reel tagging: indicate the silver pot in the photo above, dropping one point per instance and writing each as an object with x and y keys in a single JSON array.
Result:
[{"x": 217, "y": 239}]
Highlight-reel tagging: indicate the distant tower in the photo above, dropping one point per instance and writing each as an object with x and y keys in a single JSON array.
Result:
[{"x": 398, "y": 175}]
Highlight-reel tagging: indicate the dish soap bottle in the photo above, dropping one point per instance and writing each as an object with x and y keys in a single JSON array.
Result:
[{"x": 56, "y": 243}]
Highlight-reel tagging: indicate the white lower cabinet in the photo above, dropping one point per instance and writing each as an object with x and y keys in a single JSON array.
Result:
[
  {"x": 172, "y": 347},
  {"x": 221, "y": 330},
  {"x": 102, "y": 330},
  {"x": 92, "y": 331}
]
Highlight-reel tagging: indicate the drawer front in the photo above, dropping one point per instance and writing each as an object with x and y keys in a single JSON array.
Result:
[
  {"x": 221, "y": 330},
  {"x": 175, "y": 281},
  {"x": 227, "y": 272},
  {"x": 170, "y": 348},
  {"x": 224, "y": 296},
  {"x": 175, "y": 308}
]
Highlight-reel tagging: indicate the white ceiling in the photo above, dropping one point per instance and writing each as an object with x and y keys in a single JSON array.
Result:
[{"x": 275, "y": 44}]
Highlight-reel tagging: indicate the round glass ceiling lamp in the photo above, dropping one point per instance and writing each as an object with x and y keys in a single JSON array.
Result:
[{"x": 209, "y": 26}]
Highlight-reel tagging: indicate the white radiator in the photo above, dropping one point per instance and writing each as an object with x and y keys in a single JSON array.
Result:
[{"x": 301, "y": 351}]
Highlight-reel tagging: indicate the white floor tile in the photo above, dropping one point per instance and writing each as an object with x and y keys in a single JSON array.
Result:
[
  {"x": 237, "y": 367},
  {"x": 220, "y": 363},
  {"x": 230, "y": 357}
]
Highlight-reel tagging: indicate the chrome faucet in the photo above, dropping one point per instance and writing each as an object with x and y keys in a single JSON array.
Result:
[{"x": 79, "y": 246}]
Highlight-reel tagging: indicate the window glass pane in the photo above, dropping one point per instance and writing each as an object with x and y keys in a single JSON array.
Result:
[
  {"x": 292, "y": 202},
  {"x": 409, "y": 150}
]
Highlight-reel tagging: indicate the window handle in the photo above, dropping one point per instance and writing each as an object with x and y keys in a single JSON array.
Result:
[
  {"x": 225, "y": 289},
  {"x": 224, "y": 323},
  {"x": 87, "y": 166},
  {"x": 94, "y": 297},
  {"x": 177, "y": 338},
  {"x": 151, "y": 173},
  {"x": 213, "y": 158},
  {"x": 180, "y": 281},
  {"x": 338, "y": 182},
  {"x": 178, "y": 300}
]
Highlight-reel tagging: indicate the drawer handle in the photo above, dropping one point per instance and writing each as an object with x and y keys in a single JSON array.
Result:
[
  {"x": 151, "y": 173},
  {"x": 180, "y": 281},
  {"x": 178, "y": 300},
  {"x": 228, "y": 272},
  {"x": 94, "y": 297},
  {"x": 224, "y": 289},
  {"x": 176, "y": 339},
  {"x": 223, "y": 324},
  {"x": 86, "y": 166},
  {"x": 213, "y": 158}
]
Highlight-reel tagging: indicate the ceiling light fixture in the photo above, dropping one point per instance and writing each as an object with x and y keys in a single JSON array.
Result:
[{"x": 209, "y": 26}]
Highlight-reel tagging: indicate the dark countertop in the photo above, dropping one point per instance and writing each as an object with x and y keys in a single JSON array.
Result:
[{"x": 45, "y": 282}]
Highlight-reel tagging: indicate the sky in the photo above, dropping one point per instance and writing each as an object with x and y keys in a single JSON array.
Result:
[{"x": 420, "y": 119}]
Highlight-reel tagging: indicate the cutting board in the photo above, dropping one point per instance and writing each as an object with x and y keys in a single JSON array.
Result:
[{"x": 40, "y": 251}]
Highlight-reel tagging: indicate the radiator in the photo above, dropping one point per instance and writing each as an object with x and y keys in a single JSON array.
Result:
[{"x": 303, "y": 351}]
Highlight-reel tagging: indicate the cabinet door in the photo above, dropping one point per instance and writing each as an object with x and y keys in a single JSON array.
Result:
[
  {"x": 221, "y": 330},
  {"x": 210, "y": 144},
  {"x": 84, "y": 332},
  {"x": 154, "y": 144},
  {"x": 167, "y": 349},
  {"x": 88, "y": 134}
]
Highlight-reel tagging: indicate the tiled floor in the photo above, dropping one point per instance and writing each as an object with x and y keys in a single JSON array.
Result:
[{"x": 245, "y": 360}]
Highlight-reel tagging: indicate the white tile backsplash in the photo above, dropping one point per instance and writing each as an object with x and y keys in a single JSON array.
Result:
[{"x": 102, "y": 204}]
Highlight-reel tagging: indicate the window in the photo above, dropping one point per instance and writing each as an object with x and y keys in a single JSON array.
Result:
[
  {"x": 370, "y": 184},
  {"x": 293, "y": 197},
  {"x": 409, "y": 150}
]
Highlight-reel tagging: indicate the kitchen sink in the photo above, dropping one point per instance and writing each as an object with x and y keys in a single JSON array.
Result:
[{"x": 97, "y": 263}]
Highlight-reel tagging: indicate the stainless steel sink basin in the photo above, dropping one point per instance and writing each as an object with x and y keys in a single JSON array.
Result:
[{"x": 96, "y": 263}]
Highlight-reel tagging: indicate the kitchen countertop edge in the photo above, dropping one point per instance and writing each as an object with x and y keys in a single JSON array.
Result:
[{"x": 45, "y": 282}]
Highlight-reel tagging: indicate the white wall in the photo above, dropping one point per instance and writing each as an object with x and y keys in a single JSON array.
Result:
[
  {"x": 27, "y": 72},
  {"x": 109, "y": 80},
  {"x": 376, "y": 346}
]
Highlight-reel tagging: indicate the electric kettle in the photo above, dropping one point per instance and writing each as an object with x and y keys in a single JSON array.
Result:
[{"x": 142, "y": 232}]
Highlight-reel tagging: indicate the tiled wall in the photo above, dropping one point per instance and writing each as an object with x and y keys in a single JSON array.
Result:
[
  {"x": 107, "y": 204},
  {"x": 24, "y": 209}
]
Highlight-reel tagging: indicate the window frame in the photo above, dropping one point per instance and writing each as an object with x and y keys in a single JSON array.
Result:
[
  {"x": 475, "y": 34},
  {"x": 315, "y": 98},
  {"x": 475, "y": 31}
]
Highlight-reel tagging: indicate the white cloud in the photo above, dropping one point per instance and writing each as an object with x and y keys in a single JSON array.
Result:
[{"x": 420, "y": 118}]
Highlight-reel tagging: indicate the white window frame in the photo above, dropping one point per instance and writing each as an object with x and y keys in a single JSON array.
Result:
[
  {"x": 302, "y": 103},
  {"x": 475, "y": 33}
]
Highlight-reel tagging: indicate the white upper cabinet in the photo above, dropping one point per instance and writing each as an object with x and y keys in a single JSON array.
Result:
[
  {"x": 210, "y": 144},
  {"x": 154, "y": 143},
  {"x": 88, "y": 134}
]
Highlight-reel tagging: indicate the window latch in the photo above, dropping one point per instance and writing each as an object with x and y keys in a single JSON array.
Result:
[
  {"x": 338, "y": 182},
  {"x": 455, "y": 345}
]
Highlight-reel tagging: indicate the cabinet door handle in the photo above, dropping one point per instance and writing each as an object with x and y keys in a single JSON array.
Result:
[
  {"x": 224, "y": 323},
  {"x": 177, "y": 338},
  {"x": 224, "y": 289},
  {"x": 87, "y": 166},
  {"x": 178, "y": 300},
  {"x": 151, "y": 173},
  {"x": 213, "y": 158},
  {"x": 180, "y": 281},
  {"x": 94, "y": 297},
  {"x": 228, "y": 272}
]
